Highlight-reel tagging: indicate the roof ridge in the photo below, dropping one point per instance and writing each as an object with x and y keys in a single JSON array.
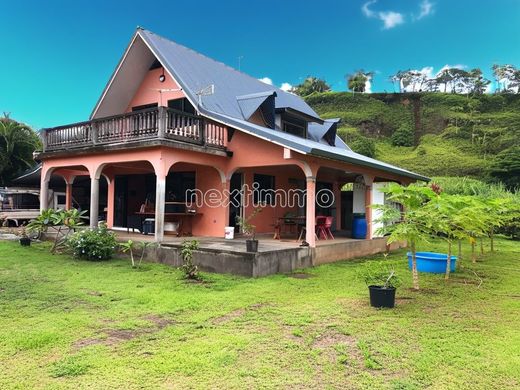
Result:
[{"x": 213, "y": 60}]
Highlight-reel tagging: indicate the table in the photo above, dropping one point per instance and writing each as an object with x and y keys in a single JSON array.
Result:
[{"x": 287, "y": 221}]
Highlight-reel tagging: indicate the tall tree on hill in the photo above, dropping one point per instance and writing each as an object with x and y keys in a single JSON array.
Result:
[
  {"x": 507, "y": 78},
  {"x": 477, "y": 82},
  {"x": 357, "y": 82},
  {"x": 17, "y": 144},
  {"x": 311, "y": 85}
]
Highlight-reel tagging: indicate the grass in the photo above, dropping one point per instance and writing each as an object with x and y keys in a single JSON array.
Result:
[{"x": 75, "y": 324}]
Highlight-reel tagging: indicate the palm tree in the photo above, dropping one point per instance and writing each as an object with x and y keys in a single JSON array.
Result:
[
  {"x": 357, "y": 81},
  {"x": 17, "y": 144}
]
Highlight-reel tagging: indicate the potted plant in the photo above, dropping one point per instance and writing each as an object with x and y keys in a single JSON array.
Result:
[
  {"x": 382, "y": 282},
  {"x": 24, "y": 238},
  {"x": 249, "y": 230}
]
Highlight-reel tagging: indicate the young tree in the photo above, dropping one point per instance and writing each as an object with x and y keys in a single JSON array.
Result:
[{"x": 415, "y": 223}]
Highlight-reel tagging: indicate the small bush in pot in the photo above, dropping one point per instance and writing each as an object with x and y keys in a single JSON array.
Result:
[
  {"x": 249, "y": 230},
  {"x": 93, "y": 244},
  {"x": 382, "y": 282},
  {"x": 24, "y": 238}
]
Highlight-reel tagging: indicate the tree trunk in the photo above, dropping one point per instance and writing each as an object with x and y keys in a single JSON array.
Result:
[
  {"x": 491, "y": 240},
  {"x": 460, "y": 250},
  {"x": 481, "y": 246},
  {"x": 415, "y": 275},
  {"x": 473, "y": 254},
  {"x": 448, "y": 262}
]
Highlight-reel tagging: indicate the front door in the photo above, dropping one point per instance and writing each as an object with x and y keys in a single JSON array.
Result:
[{"x": 236, "y": 206}]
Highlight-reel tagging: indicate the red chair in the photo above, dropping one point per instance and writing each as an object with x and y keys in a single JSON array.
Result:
[
  {"x": 328, "y": 225},
  {"x": 321, "y": 230}
]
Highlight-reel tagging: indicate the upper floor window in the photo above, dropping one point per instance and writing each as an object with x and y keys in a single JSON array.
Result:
[
  {"x": 181, "y": 104},
  {"x": 294, "y": 126}
]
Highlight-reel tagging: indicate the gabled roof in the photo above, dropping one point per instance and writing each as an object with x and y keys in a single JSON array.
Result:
[
  {"x": 195, "y": 72},
  {"x": 235, "y": 97}
]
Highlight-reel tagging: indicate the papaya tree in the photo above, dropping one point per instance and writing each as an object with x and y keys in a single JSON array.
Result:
[{"x": 412, "y": 223}]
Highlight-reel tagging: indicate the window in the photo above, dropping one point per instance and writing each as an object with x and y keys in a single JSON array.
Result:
[
  {"x": 181, "y": 104},
  {"x": 294, "y": 126},
  {"x": 144, "y": 107},
  {"x": 264, "y": 192}
]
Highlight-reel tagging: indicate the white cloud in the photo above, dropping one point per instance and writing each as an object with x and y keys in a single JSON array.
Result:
[
  {"x": 390, "y": 19},
  {"x": 266, "y": 80},
  {"x": 286, "y": 87},
  {"x": 368, "y": 85},
  {"x": 426, "y": 8},
  {"x": 367, "y": 11}
]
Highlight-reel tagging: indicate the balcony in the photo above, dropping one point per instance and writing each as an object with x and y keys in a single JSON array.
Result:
[{"x": 160, "y": 123}]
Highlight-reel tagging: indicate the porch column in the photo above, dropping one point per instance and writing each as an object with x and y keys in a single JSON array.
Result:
[
  {"x": 110, "y": 202},
  {"x": 337, "y": 203},
  {"x": 160, "y": 198},
  {"x": 94, "y": 202},
  {"x": 310, "y": 220},
  {"x": 68, "y": 192},
  {"x": 44, "y": 194},
  {"x": 368, "y": 203}
]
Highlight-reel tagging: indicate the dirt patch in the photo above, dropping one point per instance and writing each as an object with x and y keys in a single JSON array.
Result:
[
  {"x": 236, "y": 313},
  {"x": 338, "y": 346},
  {"x": 113, "y": 336}
]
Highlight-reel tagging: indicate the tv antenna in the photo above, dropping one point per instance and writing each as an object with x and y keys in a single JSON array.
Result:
[{"x": 206, "y": 91}]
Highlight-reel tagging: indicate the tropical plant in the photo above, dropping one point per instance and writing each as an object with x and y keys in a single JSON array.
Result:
[
  {"x": 130, "y": 246},
  {"x": 93, "y": 244},
  {"x": 17, "y": 144},
  {"x": 415, "y": 223},
  {"x": 191, "y": 271},
  {"x": 379, "y": 273},
  {"x": 311, "y": 85},
  {"x": 245, "y": 223},
  {"x": 403, "y": 136},
  {"x": 62, "y": 222},
  {"x": 357, "y": 82}
]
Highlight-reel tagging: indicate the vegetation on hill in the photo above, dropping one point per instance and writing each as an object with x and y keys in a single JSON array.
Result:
[{"x": 436, "y": 134}]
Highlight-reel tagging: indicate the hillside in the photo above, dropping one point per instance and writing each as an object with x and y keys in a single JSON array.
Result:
[{"x": 435, "y": 134}]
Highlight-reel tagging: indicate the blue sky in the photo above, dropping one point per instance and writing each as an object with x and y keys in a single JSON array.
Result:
[{"x": 58, "y": 55}]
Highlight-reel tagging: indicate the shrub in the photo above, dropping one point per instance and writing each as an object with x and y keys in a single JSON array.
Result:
[
  {"x": 364, "y": 146},
  {"x": 403, "y": 136},
  {"x": 191, "y": 271},
  {"x": 93, "y": 244}
]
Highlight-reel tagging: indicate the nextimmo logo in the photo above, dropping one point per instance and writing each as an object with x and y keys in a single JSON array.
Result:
[{"x": 256, "y": 196}]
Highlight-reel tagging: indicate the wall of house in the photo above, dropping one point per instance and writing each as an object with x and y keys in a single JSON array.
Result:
[
  {"x": 148, "y": 91},
  {"x": 358, "y": 205},
  {"x": 378, "y": 198}
]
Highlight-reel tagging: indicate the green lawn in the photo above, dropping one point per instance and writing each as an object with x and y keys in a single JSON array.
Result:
[{"x": 76, "y": 324}]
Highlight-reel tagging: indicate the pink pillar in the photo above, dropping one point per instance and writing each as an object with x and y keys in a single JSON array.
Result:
[
  {"x": 110, "y": 202},
  {"x": 68, "y": 194},
  {"x": 310, "y": 222},
  {"x": 337, "y": 201}
]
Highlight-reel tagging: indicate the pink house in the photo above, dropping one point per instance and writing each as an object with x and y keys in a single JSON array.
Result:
[{"x": 174, "y": 132}]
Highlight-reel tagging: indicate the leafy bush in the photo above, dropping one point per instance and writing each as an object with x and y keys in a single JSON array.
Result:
[
  {"x": 191, "y": 271},
  {"x": 507, "y": 167},
  {"x": 403, "y": 136},
  {"x": 380, "y": 274},
  {"x": 364, "y": 146},
  {"x": 93, "y": 244}
]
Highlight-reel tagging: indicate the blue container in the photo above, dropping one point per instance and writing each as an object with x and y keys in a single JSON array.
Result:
[
  {"x": 431, "y": 262},
  {"x": 359, "y": 226}
]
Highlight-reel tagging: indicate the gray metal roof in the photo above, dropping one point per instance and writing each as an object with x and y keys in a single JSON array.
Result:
[{"x": 195, "y": 72}]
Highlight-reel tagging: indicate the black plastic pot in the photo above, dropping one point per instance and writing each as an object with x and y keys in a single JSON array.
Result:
[
  {"x": 25, "y": 241},
  {"x": 382, "y": 297},
  {"x": 252, "y": 245}
]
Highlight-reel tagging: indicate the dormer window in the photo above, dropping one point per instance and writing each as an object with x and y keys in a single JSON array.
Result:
[{"x": 294, "y": 126}]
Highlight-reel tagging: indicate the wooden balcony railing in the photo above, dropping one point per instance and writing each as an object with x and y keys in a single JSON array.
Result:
[{"x": 155, "y": 123}]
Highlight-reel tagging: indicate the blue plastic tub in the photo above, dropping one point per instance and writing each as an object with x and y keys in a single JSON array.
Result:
[{"x": 431, "y": 262}]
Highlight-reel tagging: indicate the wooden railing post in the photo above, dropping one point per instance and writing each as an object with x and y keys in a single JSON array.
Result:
[
  {"x": 43, "y": 136},
  {"x": 94, "y": 134},
  {"x": 162, "y": 117},
  {"x": 202, "y": 130}
]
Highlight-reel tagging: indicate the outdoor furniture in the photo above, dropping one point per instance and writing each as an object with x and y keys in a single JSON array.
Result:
[
  {"x": 323, "y": 225},
  {"x": 149, "y": 226},
  {"x": 287, "y": 221}
]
